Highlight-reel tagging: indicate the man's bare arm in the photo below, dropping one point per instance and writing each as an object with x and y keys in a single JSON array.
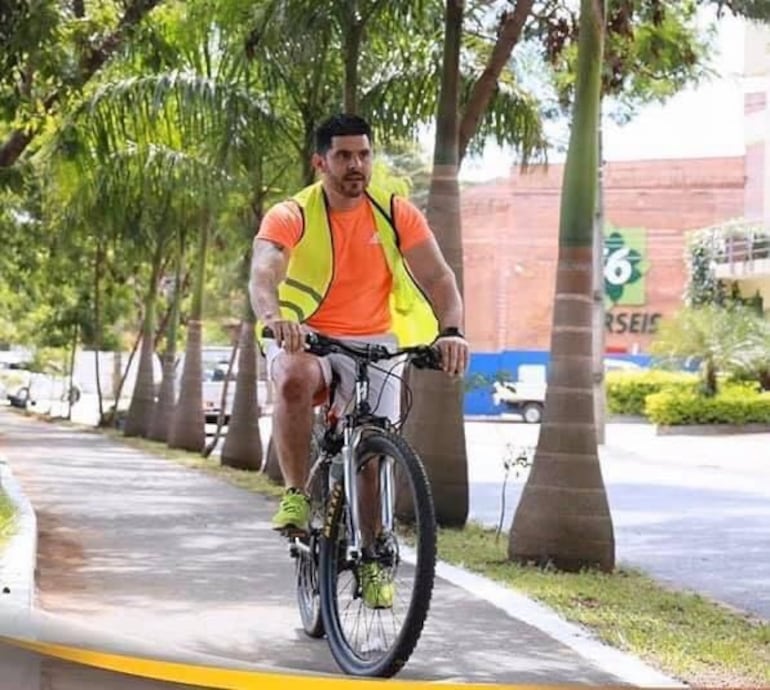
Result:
[
  {"x": 268, "y": 269},
  {"x": 437, "y": 279}
]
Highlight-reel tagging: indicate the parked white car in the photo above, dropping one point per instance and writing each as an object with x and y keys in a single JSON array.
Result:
[
  {"x": 526, "y": 396},
  {"x": 24, "y": 388}
]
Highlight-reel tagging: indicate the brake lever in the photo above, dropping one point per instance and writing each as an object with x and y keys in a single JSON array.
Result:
[{"x": 428, "y": 359}]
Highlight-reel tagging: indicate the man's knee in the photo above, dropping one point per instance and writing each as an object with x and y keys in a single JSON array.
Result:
[{"x": 297, "y": 377}]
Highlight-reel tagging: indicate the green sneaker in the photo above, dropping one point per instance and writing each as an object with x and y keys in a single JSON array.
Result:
[
  {"x": 377, "y": 588},
  {"x": 293, "y": 512}
]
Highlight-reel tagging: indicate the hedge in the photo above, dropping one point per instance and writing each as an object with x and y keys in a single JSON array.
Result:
[
  {"x": 733, "y": 404},
  {"x": 627, "y": 390}
]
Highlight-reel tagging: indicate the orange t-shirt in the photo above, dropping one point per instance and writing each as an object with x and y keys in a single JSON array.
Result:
[{"x": 357, "y": 300}]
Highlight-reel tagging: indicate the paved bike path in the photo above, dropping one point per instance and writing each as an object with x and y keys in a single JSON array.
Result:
[{"x": 141, "y": 546}]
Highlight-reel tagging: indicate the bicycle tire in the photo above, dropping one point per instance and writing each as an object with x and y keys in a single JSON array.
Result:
[
  {"x": 382, "y": 443},
  {"x": 307, "y": 566}
]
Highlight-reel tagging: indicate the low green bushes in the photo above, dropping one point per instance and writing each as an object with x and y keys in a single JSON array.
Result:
[
  {"x": 735, "y": 403},
  {"x": 676, "y": 398},
  {"x": 628, "y": 390}
]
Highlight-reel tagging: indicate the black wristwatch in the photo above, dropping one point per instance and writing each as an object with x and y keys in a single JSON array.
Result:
[{"x": 451, "y": 331}]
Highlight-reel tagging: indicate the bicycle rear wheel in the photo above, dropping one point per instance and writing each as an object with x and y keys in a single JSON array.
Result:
[{"x": 372, "y": 638}]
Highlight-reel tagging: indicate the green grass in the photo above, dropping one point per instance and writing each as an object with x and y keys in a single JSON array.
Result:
[
  {"x": 683, "y": 634},
  {"x": 7, "y": 518}
]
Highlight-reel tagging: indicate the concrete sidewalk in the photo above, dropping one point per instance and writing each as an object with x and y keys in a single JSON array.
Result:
[{"x": 136, "y": 544}]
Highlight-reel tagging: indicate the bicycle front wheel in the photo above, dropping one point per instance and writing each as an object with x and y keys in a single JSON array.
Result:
[
  {"x": 307, "y": 552},
  {"x": 374, "y": 604}
]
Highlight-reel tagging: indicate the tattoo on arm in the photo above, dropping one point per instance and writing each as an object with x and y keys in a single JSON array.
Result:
[{"x": 268, "y": 269}]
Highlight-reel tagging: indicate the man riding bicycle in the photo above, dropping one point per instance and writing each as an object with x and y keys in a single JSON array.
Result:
[{"x": 352, "y": 261}]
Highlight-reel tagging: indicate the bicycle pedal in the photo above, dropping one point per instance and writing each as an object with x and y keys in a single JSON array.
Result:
[{"x": 294, "y": 533}]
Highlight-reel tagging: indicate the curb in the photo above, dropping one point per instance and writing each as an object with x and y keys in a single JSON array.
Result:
[
  {"x": 625, "y": 666},
  {"x": 51, "y": 635},
  {"x": 18, "y": 560}
]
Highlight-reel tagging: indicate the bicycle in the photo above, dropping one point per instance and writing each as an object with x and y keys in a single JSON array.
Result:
[{"x": 333, "y": 554}]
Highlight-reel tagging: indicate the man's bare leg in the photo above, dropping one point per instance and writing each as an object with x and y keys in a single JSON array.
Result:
[
  {"x": 369, "y": 508},
  {"x": 297, "y": 378}
]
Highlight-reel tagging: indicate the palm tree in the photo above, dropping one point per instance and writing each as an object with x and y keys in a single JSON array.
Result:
[
  {"x": 206, "y": 108},
  {"x": 122, "y": 189},
  {"x": 164, "y": 406},
  {"x": 449, "y": 477},
  {"x": 242, "y": 447},
  {"x": 727, "y": 338},
  {"x": 243, "y": 444},
  {"x": 435, "y": 426},
  {"x": 188, "y": 424},
  {"x": 563, "y": 516}
]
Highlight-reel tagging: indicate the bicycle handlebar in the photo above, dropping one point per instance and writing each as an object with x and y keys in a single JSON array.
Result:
[{"x": 420, "y": 356}]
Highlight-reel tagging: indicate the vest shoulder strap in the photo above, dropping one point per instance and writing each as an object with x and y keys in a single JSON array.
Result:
[{"x": 384, "y": 203}]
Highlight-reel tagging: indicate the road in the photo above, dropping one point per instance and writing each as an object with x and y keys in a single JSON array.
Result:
[{"x": 693, "y": 511}]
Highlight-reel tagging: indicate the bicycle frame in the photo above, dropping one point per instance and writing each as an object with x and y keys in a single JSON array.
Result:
[
  {"x": 359, "y": 538},
  {"x": 353, "y": 431},
  {"x": 355, "y": 425}
]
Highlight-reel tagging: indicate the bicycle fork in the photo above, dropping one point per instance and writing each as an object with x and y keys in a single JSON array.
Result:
[{"x": 352, "y": 437}]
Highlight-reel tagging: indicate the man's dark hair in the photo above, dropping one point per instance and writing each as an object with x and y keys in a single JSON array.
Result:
[{"x": 339, "y": 126}]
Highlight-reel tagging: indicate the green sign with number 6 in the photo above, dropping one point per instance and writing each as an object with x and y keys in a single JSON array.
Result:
[{"x": 625, "y": 266}]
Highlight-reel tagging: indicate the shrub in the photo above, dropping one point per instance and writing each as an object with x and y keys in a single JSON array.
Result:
[
  {"x": 627, "y": 390},
  {"x": 735, "y": 404}
]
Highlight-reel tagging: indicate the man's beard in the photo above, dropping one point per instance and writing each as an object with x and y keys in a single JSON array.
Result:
[{"x": 351, "y": 187}]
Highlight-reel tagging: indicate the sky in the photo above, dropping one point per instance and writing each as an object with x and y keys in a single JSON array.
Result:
[{"x": 698, "y": 122}]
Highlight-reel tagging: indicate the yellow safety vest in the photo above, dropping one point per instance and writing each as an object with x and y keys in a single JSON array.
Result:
[{"x": 311, "y": 267}]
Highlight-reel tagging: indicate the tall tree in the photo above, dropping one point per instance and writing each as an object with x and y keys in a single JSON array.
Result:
[
  {"x": 654, "y": 50},
  {"x": 563, "y": 516},
  {"x": 448, "y": 475},
  {"x": 163, "y": 412},
  {"x": 436, "y": 426},
  {"x": 47, "y": 56}
]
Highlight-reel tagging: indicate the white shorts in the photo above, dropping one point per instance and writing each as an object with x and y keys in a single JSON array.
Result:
[{"x": 384, "y": 377}]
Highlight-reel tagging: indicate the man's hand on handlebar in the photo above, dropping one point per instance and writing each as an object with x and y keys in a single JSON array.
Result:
[
  {"x": 287, "y": 334},
  {"x": 455, "y": 354}
]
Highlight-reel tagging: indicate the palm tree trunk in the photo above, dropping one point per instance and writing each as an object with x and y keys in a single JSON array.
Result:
[
  {"x": 435, "y": 425},
  {"x": 563, "y": 516},
  {"x": 73, "y": 353},
  {"x": 353, "y": 35},
  {"x": 272, "y": 467},
  {"x": 142, "y": 404},
  {"x": 164, "y": 408},
  {"x": 117, "y": 369},
  {"x": 212, "y": 444},
  {"x": 188, "y": 427},
  {"x": 98, "y": 323},
  {"x": 242, "y": 448}
]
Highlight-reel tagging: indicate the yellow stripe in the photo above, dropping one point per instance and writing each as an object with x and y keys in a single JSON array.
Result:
[{"x": 235, "y": 679}]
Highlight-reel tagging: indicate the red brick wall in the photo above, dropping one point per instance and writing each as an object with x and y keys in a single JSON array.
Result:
[
  {"x": 510, "y": 231},
  {"x": 754, "y": 196}
]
